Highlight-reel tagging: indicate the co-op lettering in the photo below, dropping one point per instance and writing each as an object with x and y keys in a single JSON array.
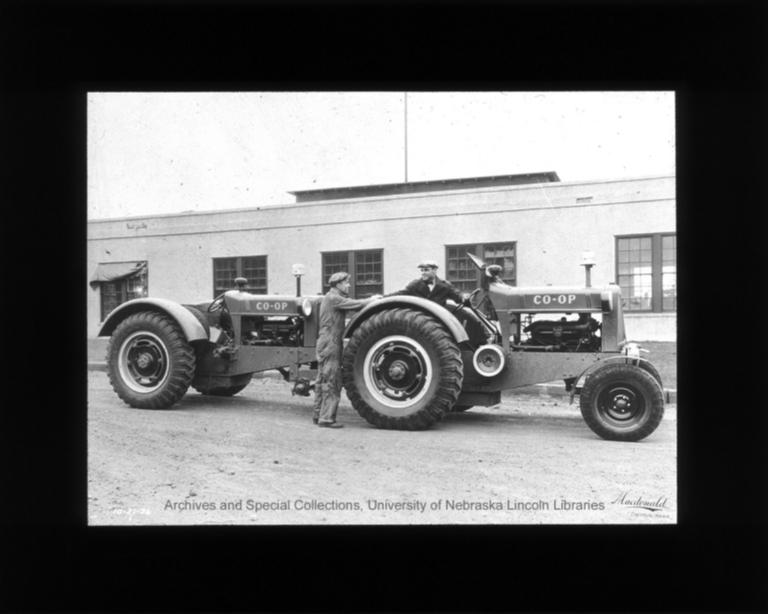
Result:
[
  {"x": 560, "y": 299},
  {"x": 267, "y": 306}
]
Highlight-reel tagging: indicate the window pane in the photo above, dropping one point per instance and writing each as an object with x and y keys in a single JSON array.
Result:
[
  {"x": 502, "y": 254},
  {"x": 669, "y": 291},
  {"x": 369, "y": 279},
  {"x": 368, "y": 268},
  {"x": 334, "y": 262},
  {"x": 117, "y": 292},
  {"x": 254, "y": 269},
  {"x": 459, "y": 268},
  {"x": 669, "y": 273},
  {"x": 136, "y": 287},
  {"x": 110, "y": 298},
  {"x": 224, "y": 273},
  {"x": 636, "y": 290},
  {"x": 635, "y": 272}
]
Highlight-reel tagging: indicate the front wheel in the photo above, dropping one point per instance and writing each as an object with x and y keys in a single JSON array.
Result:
[
  {"x": 402, "y": 370},
  {"x": 622, "y": 402},
  {"x": 150, "y": 364}
]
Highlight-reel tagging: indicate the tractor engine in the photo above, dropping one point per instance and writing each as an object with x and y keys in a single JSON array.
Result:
[
  {"x": 271, "y": 330},
  {"x": 563, "y": 335}
]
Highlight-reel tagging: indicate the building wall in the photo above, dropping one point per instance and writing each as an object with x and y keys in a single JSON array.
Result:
[{"x": 551, "y": 223}]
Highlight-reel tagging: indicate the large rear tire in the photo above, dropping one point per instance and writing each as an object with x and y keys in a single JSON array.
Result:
[
  {"x": 622, "y": 402},
  {"x": 402, "y": 370},
  {"x": 150, "y": 364}
]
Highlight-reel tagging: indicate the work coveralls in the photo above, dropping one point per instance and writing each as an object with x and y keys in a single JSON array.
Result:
[{"x": 330, "y": 344}]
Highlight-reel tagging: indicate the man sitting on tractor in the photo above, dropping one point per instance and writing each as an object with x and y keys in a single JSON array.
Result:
[{"x": 431, "y": 287}]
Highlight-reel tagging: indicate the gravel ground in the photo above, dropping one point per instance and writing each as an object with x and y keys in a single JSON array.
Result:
[{"x": 257, "y": 459}]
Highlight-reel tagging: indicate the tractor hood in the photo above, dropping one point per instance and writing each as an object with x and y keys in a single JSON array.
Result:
[
  {"x": 557, "y": 299},
  {"x": 245, "y": 303}
]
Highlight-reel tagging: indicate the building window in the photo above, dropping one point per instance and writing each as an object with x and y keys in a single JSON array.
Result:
[
  {"x": 253, "y": 268},
  {"x": 365, "y": 268},
  {"x": 119, "y": 282},
  {"x": 463, "y": 274},
  {"x": 646, "y": 270}
]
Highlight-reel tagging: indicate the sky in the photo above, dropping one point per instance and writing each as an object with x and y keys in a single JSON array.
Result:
[{"x": 152, "y": 153}]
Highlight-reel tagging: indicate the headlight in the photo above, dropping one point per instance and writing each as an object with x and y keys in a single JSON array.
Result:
[
  {"x": 488, "y": 360},
  {"x": 306, "y": 307}
]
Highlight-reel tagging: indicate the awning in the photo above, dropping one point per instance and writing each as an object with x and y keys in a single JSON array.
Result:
[{"x": 112, "y": 271}]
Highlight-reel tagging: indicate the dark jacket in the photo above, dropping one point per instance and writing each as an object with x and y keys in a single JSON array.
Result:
[{"x": 442, "y": 291}]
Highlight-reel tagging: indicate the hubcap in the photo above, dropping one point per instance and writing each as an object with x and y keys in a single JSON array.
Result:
[
  {"x": 397, "y": 371},
  {"x": 143, "y": 362},
  {"x": 621, "y": 403}
]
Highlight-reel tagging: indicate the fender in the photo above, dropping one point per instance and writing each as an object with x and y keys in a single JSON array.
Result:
[
  {"x": 421, "y": 304},
  {"x": 643, "y": 363},
  {"x": 191, "y": 326}
]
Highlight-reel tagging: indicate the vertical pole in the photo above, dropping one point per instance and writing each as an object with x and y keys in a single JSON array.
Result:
[
  {"x": 298, "y": 285},
  {"x": 405, "y": 110}
]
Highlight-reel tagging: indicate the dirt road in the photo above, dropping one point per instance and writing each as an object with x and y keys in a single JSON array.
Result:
[{"x": 257, "y": 459}]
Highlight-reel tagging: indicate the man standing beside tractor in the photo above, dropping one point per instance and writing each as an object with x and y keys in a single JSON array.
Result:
[{"x": 330, "y": 346}]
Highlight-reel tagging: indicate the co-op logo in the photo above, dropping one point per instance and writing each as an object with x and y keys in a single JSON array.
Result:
[
  {"x": 548, "y": 299},
  {"x": 267, "y": 306}
]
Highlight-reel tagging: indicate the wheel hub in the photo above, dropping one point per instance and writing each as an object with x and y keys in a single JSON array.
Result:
[
  {"x": 397, "y": 371},
  {"x": 621, "y": 403},
  {"x": 143, "y": 362}
]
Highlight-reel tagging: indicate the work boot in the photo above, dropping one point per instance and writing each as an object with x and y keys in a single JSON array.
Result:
[{"x": 330, "y": 425}]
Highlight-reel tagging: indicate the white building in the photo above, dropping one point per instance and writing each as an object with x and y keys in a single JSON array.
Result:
[{"x": 534, "y": 225}]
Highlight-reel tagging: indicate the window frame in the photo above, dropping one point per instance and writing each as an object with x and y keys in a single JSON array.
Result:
[
  {"x": 352, "y": 256},
  {"x": 657, "y": 264},
  {"x": 239, "y": 273},
  {"x": 480, "y": 253}
]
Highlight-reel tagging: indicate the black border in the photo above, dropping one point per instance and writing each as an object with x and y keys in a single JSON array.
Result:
[{"x": 711, "y": 53}]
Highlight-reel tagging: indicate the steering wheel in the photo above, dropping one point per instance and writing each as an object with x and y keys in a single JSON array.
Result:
[
  {"x": 217, "y": 304},
  {"x": 459, "y": 306},
  {"x": 473, "y": 294}
]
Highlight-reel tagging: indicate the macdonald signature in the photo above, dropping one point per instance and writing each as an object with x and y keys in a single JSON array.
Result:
[{"x": 652, "y": 505}]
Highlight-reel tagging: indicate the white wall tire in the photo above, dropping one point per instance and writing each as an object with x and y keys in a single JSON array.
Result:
[
  {"x": 402, "y": 370},
  {"x": 150, "y": 364}
]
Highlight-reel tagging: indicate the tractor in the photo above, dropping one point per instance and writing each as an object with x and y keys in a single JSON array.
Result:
[{"x": 407, "y": 361}]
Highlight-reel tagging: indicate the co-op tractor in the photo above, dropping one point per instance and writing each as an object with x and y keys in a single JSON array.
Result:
[{"x": 407, "y": 361}]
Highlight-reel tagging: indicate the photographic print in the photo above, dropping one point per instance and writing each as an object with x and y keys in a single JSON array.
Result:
[{"x": 362, "y": 308}]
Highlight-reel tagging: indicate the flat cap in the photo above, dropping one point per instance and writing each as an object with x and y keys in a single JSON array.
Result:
[
  {"x": 337, "y": 277},
  {"x": 427, "y": 264}
]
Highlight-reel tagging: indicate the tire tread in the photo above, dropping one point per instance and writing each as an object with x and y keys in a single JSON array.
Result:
[
  {"x": 181, "y": 355},
  {"x": 645, "y": 379},
  {"x": 450, "y": 376}
]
